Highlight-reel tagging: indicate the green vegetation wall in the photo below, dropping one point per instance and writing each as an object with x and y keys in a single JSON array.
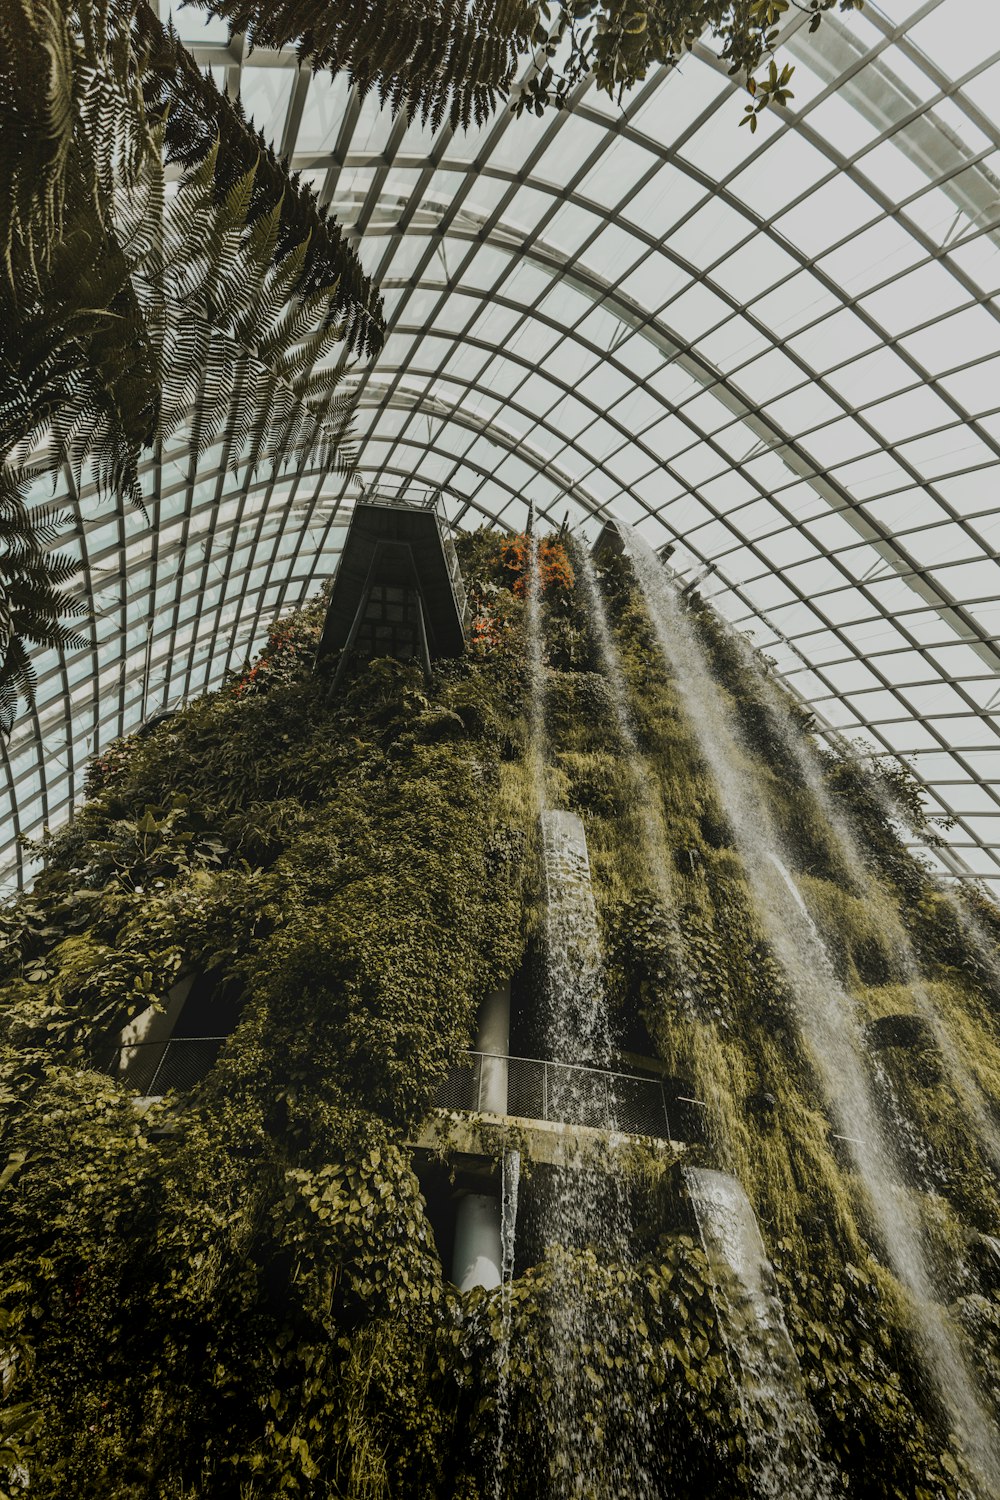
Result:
[{"x": 237, "y": 1293}]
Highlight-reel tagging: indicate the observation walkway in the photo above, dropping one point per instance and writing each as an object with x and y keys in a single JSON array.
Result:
[
  {"x": 173, "y": 1066},
  {"x": 594, "y": 1099},
  {"x": 571, "y": 1094}
]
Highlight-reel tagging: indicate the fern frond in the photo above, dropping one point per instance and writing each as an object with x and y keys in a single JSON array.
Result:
[
  {"x": 129, "y": 312},
  {"x": 36, "y": 128},
  {"x": 196, "y": 117},
  {"x": 32, "y": 600}
]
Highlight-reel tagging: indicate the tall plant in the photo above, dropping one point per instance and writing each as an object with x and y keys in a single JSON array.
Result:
[
  {"x": 130, "y": 312},
  {"x": 459, "y": 58}
]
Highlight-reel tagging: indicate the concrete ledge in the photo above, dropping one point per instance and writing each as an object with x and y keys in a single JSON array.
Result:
[{"x": 547, "y": 1142}]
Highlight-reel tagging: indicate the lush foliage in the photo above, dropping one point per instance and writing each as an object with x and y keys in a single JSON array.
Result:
[
  {"x": 289, "y": 649},
  {"x": 103, "y": 266},
  {"x": 33, "y": 605},
  {"x": 131, "y": 312},
  {"x": 619, "y": 44},
  {"x": 240, "y": 1293},
  {"x": 338, "y": 865},
  {"x": 429, "y": 59},
  {"x": 555, "y": 572},
  {"x": 460, "y": 60}
]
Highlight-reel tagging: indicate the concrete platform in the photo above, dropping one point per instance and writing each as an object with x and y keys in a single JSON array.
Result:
[{"x": 468, "y": 1139}]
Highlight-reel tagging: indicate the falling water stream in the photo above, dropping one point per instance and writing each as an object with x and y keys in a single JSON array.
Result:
[
  {"x": 510, "y": 1178},
  {"x": 824, "y": 1012},
  {"x": 536, "y": 679},
  {"x": 646, "y": 797},
  {"x": 783, "y": 1432},
  {"x": 783, "y": 1435},
  {"x": 806, "y": 761},
  {"x": 586, "y": 1216},
  {"x": 976, "y": 937},
  {"x": 511, "y": 1171}
]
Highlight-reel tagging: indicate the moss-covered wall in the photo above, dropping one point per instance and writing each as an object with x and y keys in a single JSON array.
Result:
[{"x": 239, "y": 1294}]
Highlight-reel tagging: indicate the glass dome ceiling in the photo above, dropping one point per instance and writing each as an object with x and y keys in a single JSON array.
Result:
[{"x": 780, "y": 352}]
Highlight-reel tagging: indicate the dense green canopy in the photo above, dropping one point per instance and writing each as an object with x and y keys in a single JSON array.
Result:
[{"x": 238, "y": 1292}]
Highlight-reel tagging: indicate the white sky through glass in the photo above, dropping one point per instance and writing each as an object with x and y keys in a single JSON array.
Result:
[{"x": 780, "y": 352}]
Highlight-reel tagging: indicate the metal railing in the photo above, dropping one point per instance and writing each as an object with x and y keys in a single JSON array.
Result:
[
  {"x": 489, "y": 1082},
  {"x": 455, "y": 574},
  {"x": 412, "y": 495},
  {"x": 572, "y": 1095},
  {"x": 174, "y": 1066}
]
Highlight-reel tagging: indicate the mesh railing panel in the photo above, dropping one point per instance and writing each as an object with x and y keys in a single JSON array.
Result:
[
  {"x": 167, "y": 1067},
  {"x": 639, "y": 1106},
  {"x": 526, "y": 1094},
  {"x": 460, "y": 1089},
  {"x": 578, "y": 1097},
  {"x": 571, "y": 1095},
  {"x": 536, "y": 1090}
]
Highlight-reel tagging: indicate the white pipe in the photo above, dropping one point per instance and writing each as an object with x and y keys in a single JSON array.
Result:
[
  {"x": 493, "y": 1039},
  {"x": 478, "y": 1253}
]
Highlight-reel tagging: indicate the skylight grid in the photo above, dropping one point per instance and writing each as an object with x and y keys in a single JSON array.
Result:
[{"x": 776, "y": 348}]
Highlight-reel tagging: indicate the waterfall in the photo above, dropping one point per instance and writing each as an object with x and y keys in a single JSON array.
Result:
[
  {"x": 510, "y": 1177},
  {"x": 823, "y": 1012},
  {"x": 782, "y": 1431},
  {"x": 975, "y": 936},
  {"x": 876, "y": 1162},
  {"x": 536, "y": 678},
  {"x": 576, "y": 1020},
  {"x": 585, "y": 1208},
  {"x": 806, "y": 761},
  {"x": 646, "y": 796},
  {"x": 585, "y": 1212}
]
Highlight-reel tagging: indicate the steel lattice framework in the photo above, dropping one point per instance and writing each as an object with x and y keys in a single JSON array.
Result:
[{"x": 780, "y": 352}]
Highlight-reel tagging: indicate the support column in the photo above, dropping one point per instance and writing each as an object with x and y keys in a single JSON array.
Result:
[
  {"x": 478, "y": 1253},
  {"x": 493, "y": 1039}
]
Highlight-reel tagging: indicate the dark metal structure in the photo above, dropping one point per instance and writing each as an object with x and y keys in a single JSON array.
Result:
[{"x": 398, "y": 590}]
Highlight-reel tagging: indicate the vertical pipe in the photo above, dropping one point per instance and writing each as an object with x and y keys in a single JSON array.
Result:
[
  {"x": 478, "y": 1254},
  {"x": 493, "y": 1043}
]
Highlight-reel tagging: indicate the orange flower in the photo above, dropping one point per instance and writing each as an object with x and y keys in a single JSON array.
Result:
[{"x": 555, "y": 572}]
